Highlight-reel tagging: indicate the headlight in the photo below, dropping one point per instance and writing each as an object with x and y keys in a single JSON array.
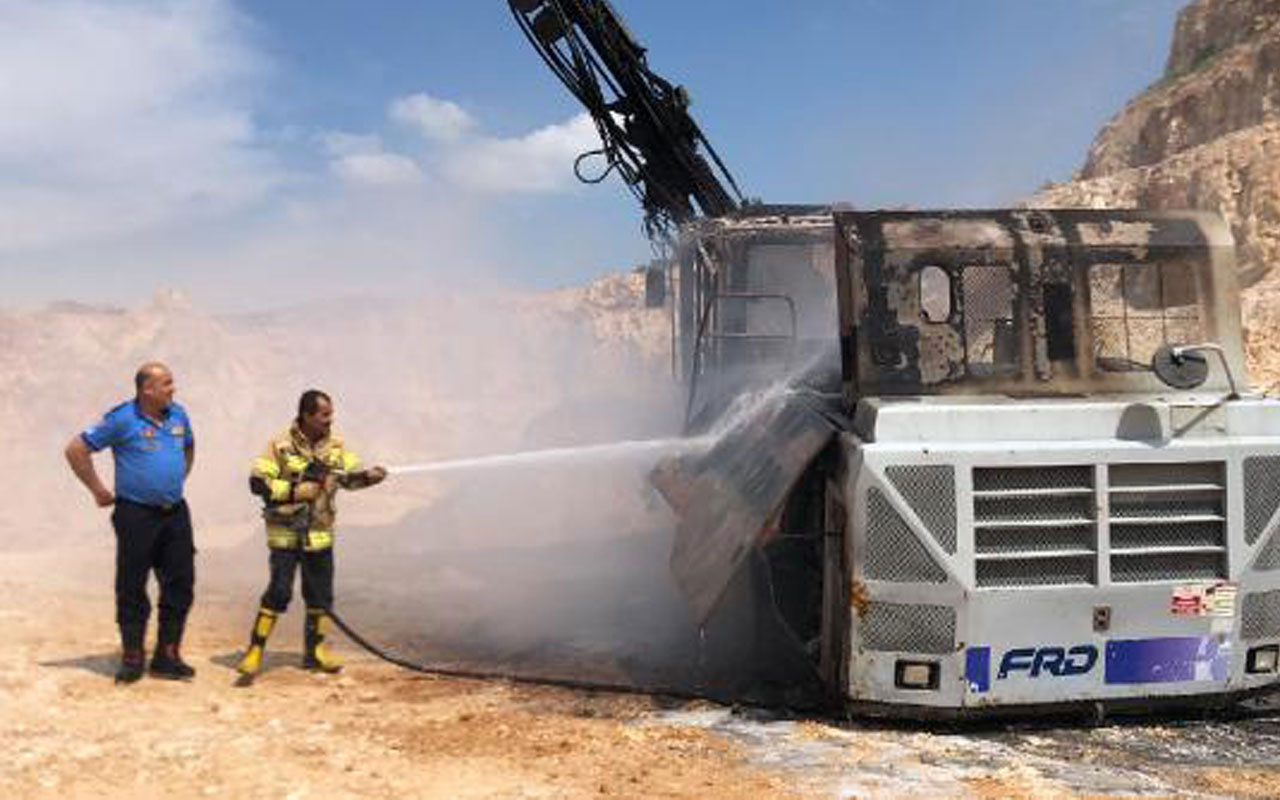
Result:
[
  {"x": 1262, "y": 659},
  {"x": 916, "y": 675}
]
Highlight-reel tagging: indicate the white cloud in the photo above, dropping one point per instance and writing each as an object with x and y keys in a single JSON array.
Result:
[
  {"x": 379, "y": 169},
  {"x": 123, "y": 117},
  {"x": 437, "y": 120},
  {"x": 339, "y": 143},
  {"x": 541, "y": 161},
  {"x": 360, "y": 159}
]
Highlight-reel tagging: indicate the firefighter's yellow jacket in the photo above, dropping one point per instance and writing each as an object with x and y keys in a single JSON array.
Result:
[{"x": 278, "y": 471}]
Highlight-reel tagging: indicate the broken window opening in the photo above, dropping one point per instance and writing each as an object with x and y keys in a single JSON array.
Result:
[
  {"x": 990, "y": 335},
  {"x": 935, "y": 295},
  {"x": 1059, "y": 322},
  {"x": 1137, "y": 308}
]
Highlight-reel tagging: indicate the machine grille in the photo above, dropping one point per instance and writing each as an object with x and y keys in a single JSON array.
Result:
[
  {"x": 904, "y": 628},
  {"x": 1034, "y": 526},
  {"x": 1039, "y": 525},
  {"x": 930, "y": 490},
  {"x": 1168, "y": 521},
  {"x": 1261, "y": 494},
  {"x": 893, "y": 551},
  {"x": 1260, "y": 616}
]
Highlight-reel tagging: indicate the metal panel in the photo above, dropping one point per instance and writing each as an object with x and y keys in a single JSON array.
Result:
[
  {"x": 893, "y": 551},
  {"x": 1260, "y": 616},
  {"x": 930, "y": 490},
  {"x": 909, "y": 628},
  {"x": 1269, "y": 556},
  {"x": 725, "y": 497},
  {"x": 1262, "y": 494}
]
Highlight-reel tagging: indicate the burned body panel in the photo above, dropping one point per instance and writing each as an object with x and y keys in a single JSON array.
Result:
[
  {"x": 729, "y": 497},
  {"x": 756, "y": 304},
  {"x": 1029, "y": 302}
]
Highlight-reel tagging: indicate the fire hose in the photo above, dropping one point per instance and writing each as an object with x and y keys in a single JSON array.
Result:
[
  {"x": 318, "y": 472},
  {"x": 446, "y": 671}
]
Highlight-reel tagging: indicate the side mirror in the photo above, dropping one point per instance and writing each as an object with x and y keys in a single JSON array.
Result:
[
  {"x": 1179, "y": 367},
  {"x": 655, "y": 286},
  {"x": 1183, "y": 366}
]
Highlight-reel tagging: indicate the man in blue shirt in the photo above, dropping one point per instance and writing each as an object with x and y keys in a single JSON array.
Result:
[{"x": 153, "y": 448}]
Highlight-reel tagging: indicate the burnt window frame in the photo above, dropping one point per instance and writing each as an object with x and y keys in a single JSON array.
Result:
[
  {"x": 1125, "y": 362},
  {"x": 950, "y": 317}
]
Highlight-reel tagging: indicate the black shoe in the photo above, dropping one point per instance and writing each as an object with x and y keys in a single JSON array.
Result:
[
  {"x": 167, "y": 664},
  {"x": 131, "y": 667}
]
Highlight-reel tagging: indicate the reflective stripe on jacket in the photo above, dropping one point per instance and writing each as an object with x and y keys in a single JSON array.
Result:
[
  {"x": 281, "y": 467},
  {"x": 282, "y": 538}
]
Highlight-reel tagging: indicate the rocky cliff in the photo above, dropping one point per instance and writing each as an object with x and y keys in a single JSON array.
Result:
[{"x": 1205, "y": 135}]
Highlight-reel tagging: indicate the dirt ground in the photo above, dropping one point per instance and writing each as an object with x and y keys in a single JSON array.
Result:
[{"x": 376, "y": 731}]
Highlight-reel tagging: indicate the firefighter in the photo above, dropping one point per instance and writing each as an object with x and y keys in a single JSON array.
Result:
[
  {"x": 297, "y": 478},
  {"x": 153, "y": 449}
]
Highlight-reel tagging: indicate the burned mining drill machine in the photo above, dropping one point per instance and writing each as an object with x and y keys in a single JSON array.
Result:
[{"x": 974, "y": 460}]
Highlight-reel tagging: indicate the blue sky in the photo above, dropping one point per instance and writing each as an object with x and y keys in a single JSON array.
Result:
[{"x": 260, "y": 154}]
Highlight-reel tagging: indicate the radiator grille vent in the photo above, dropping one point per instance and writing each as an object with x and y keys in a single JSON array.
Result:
[
  {"x": 1166, "y": 567},
  {"x": 1260, "y": 616},
  {"x": 1034, "y": 526},
  {"x": 1261, "y": 494},
  {"x": 898, "y": 627},
  {"x": 1036, "y": 572},
  {"x": 930, "y": 490},
  {"x": 1039, "y": 525},
  {"x": 1168, "y": 521},
  {"x": 893, "y": 551}
]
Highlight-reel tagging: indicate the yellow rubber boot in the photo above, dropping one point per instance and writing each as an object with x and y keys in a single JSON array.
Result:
[
  {"x": 317, "y": 657},
  {"x": 251, "y": 664}
]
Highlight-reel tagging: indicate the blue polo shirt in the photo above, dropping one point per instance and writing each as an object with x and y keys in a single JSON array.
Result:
[{"x": 151, "y": 465}]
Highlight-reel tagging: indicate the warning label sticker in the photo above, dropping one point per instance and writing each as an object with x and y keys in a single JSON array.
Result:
[
  {"x": 1204, "y": 600},
  {"x": 1187, "y": 601},
  {"x": 1220, "y": 600}
]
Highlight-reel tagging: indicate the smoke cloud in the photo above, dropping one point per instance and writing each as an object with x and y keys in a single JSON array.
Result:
[{"x": 547, "y": 566}]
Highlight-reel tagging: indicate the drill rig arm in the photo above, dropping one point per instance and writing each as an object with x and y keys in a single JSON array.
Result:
[{"x": 647, "y": 133}]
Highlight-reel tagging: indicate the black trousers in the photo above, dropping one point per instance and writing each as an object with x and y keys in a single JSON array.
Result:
[
  {"x": 317, "y": 578},
  {"x": 150, "y": 538}
]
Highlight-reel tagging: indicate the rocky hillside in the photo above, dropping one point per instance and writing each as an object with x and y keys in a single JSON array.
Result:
[
  {"x": 1222, "y": 77},
  {"x": 1206, "y": 135}
]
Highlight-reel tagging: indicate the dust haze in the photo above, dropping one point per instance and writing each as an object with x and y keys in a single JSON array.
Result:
[{"x": 551, "y": 566}]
